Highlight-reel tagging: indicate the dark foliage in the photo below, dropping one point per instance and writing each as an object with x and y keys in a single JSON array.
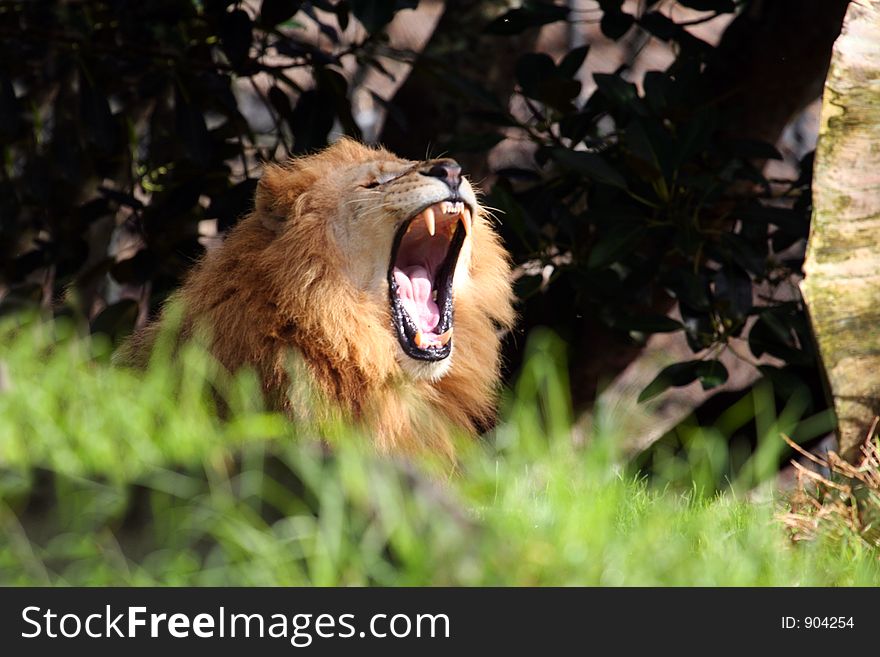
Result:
[
  {"x": 120, "y": 116},
  {"x": 126, "y": 110}
]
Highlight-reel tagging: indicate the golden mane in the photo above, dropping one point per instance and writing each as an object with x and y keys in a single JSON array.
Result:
[{"x": 291, "y": 278}]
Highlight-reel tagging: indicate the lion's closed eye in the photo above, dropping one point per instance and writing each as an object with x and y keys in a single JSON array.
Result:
[{"x": 382, "y": 179}]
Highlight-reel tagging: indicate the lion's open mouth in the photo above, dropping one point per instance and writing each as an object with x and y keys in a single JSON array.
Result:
[{"x": 423, "y": 260}]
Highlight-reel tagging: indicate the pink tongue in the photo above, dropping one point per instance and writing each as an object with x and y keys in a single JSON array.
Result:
[{"x": 414, "y": 291}]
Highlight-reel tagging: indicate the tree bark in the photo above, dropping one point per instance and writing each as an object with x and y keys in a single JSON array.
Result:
[{"x": 842, "y": 284}]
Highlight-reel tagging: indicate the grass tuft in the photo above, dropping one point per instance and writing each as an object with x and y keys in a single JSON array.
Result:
[
  {"x": 837, "y": 500},
  {"x": 114, "y": 477}
]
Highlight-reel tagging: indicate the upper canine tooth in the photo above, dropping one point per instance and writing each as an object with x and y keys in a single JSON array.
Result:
[
  {"x": 429, "y": 221},
  {"x": 467, "y": 221}
]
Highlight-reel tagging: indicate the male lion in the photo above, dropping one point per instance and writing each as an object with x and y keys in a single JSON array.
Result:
[{"x": 383, "y": 274}]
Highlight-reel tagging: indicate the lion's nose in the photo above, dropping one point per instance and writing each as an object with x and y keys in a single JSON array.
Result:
[{"x": 447, "y": 170}]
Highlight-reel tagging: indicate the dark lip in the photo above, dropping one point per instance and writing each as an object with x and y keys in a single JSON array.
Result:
[{"x": 404, "y": 326}]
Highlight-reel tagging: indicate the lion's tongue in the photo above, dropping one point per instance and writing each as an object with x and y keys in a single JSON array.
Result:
[{"x": 414, "y": 290}]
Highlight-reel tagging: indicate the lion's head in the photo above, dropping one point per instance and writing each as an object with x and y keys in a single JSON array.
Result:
[{"x": 384, "y": 274}]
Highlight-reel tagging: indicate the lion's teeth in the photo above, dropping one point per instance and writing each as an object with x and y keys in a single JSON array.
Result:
[
  {"x": 429, "y": 221},
  {"x": 467, "y": 220},
  {"x": 445, "y": 336},
  {"x": 441, "y": 340},
  {"x": 448, "y": 207}
]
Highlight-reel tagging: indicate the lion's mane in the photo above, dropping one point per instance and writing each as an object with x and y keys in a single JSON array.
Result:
[{"x": 276, "y": 286}]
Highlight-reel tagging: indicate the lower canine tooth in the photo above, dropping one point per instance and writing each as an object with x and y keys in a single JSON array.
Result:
[
  {"x": 445, "y": 336},
  {"x": 419, "y": 340}
]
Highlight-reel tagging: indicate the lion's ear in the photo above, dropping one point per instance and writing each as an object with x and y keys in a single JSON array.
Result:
[
  {"x": 279, "y": 190},
  {"x": 269, "y": 198},
  {"x": 272, "y": 221}
]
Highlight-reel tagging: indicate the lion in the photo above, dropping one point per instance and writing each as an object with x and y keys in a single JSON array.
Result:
[{"x": 384, "y": 276}]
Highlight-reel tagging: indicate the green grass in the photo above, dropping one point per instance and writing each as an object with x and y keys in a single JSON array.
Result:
[{"x": 109, "y": 476}]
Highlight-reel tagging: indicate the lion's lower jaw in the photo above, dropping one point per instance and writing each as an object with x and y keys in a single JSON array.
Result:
[{"x": 421, "y": 370}]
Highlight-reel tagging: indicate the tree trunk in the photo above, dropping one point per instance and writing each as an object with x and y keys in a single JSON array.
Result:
[{"x": 842, "y": 284}]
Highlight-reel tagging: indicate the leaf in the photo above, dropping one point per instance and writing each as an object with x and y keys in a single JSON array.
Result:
[
  {"x": 120, "y": 198},
  {"x": 666, "y": 29},
  {"x": 470, "y": 90},
  {"x": 312, "y": 121},
  {"x": 281, "y": 102},
  {"x": 116, "y": 320},
  {"x": 333, "y": 85},
  {"x": 772, "y": 334},
  {"x": 649, "y": 142},
  {"x": 527, "y": 286},
  {"x": 788, "y": 384},
  {"x": 573, "y": 60},
  {"x": 660, "y": 26},
  {"x": 231, "y": 204},
  {"x": 470, "y": 143},
  {"x": 328, "y": 31},
  {"x": 734, "y": 288},
  {"x": 618, "y": 241},
  {"x": 711, "y": 374},
  {"x": 617, "y": 90},
  {"x": 591, "y": 165},
  {"x": 100, "y": 125},
  {"x": 688, "y": 287},
  {"x": 136, "y": 270},
  {"x": 513, "y": 215},
  {"x": 539, "y": 79},
  {"x": 236, "y": 32},
  {"x": 189, "y": 123},
  {"x": 696, "y": 135},
  {"x": 576, "y": 127},
  {"x": 374, "y": 15},
  {"x": 718, "y": 6},
  {"x": 615, "y": 24},
  {"x": 658, "y": 90},
  {"x": 343, "y": 11},
  {"x": 11, "y": 116},
  {"x": 531, "y": 14},
  {"x": 747, "y": 255},
  {"x": 531, "y": 69},
  {"x": 273, "y": 12}
]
